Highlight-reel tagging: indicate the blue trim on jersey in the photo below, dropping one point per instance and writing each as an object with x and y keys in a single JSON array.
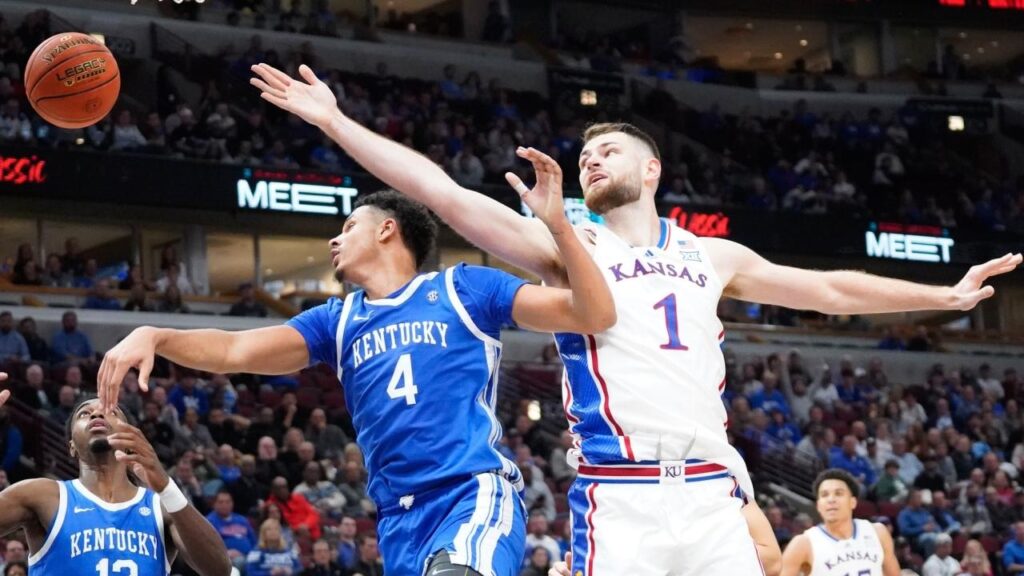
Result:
[
  {"x": 600, "y": 442},
  {"x": 579, "y": 507}
]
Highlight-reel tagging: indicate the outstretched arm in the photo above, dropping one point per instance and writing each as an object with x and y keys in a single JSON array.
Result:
[
  {"x": 483, "y": 221},
  {"x": 890, "y": 565},
  {"x": 748, "y": 276},
  {"x": 272, "y": 350},
  {"x": 585, "y": 308},
  {"x": 797, "y": 556}
]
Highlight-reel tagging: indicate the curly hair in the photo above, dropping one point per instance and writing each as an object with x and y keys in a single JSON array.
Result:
[{"x": 419, "y": 230}]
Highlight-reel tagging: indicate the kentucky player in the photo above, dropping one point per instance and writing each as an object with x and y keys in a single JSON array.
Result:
[
  {"x": 417, "y": 355},
  {"x": 657, "y": 477},
  {"x": 103, "y": 524},
  {"x": 841, "y": 545}
]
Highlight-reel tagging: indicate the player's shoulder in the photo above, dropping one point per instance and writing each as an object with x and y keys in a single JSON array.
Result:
[
  {"x": 33, "y": 492},
  {"x": 800, "y": 544}
]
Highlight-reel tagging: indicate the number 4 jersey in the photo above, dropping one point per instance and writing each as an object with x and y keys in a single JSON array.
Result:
[
  {"x": 649, "y": 389},
  {"x": 91, "y": 537},
  {"x": 420, "y": 371}
]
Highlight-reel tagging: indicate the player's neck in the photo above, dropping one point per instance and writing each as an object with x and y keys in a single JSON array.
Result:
[
  {"x": 387, "y": 277},
  {"x": 108, "y": 481},
  {"x": 840, "y": 530},
  {"x": 635, "y": 223}
]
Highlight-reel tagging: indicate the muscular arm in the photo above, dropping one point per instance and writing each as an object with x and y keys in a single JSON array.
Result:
[
  {"x": 483, "y": 221},
  {"x": 199, "y": 544},
  {"x": 18, "y": 504},
  {"x": 748, "y": 276},
  {"x": 796, "y": 558},
  {"x": 890, "y": 565},
  {"x": 273, "y": 350}
]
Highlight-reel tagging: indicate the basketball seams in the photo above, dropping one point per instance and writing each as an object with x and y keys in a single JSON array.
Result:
[
  {"x": 59, "y": 62},
  {"x": 62, "y": 118}
]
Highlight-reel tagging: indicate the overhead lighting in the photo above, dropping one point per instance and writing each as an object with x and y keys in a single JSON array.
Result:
[
  {"x": 981, "y": 49},
  {"x": 963, "y": 35},
  {"x": 749, "y": 25},
  {"x": 268, "y": 271},
  {"x": 994, "y": 43},
  {"x": 778, "y": 55},
  {"x": 803, "y": 42},
  {"x": 798, "y": 28},
  {"x": 967, "y": 56}
]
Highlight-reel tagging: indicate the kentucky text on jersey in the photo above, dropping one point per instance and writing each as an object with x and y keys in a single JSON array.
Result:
[
  {"x": 401, "y": 334},
  {"x": 850, "y": 556},
  {"x": 638, "y": 268},
  {"x": 104, "y": 539}
]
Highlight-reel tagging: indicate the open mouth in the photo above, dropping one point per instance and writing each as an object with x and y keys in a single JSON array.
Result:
[
  {"x": 596, "y": 178},
  {"x": 98, "y": 425}
]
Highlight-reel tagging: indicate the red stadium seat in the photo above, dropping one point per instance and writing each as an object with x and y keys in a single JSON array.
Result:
[
  {"x": 365, "y": 525},
  {"x": 990, "y": 544},
  {"x": 959, "y": 543},
  {"x": 889, "y": 509},
  {"x": 866, "y": 509},
  {"x": 269, "y": 398},
  {"x": 308, "y": 397}
]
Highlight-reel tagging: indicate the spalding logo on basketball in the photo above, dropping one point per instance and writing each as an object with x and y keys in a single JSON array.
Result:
[{"x": 72, "y": 80}]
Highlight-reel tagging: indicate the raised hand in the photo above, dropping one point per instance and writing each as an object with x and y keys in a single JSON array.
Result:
[
  {"x": 131, "y": 446},
  {"x": 545, "y": 199},
  {"x": 562, "y": 568},
  {"x": 135, "y": 351},
  {"x": 971, "y": 289},
  {"x": 312, "y": 100},
  {"x": 4, "y": 394}
]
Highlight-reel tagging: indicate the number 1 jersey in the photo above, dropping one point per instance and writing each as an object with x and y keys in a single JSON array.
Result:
[
  {"x": 420, "y": 372},
  {"x": 91, "y": 537}
]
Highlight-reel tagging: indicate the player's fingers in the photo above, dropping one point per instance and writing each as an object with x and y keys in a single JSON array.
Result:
[
  {"x": 308, "y": 75},
  {"x": 275, "y": 100},
  {"x": 145, "y": 369},
  {"x": 982, "y": 271},
  {"x": 4, "y": 395},
  {"x": 277, "y": 75},
  {"x": 568, "y": 559},
  {"x": 267, "y": 74},
  {"x": 122, "y": 456},
  {"x": 3, "y": 376},
  {"x": 973, "y": 298},
  {"x": 516, "y": 183},
  {"x": 266, "y": 88},
  {"x": 114, "y": 384}
]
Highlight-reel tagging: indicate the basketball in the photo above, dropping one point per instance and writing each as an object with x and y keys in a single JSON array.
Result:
[{"x": 72, "y": 80}]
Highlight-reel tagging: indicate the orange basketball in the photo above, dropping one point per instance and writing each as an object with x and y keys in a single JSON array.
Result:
[{"x": 72, "y": 80}]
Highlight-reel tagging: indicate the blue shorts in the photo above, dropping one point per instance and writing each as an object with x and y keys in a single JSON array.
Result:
[{"x": 481, "y": 522}]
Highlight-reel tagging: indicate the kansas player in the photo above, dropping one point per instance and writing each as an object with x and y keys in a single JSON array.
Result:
[
  {"x": 841, "y": 545},
  {"x": 102, "y": 524},
  {"x": 657, "y": 475},
  {"x": 417, "y": 355}
]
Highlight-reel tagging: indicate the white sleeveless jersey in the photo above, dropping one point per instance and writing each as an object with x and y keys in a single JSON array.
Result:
[
  {"x": 649, "y": 389},
  {"x": 860, "y": 555}
]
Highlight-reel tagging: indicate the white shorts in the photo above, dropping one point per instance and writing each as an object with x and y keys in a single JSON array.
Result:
[{"x": 668, "y": 519}]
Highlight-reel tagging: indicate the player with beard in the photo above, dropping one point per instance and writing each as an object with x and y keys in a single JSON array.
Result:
[
  {"x": 841, "y": 545},
  {"x": 659, "y": 488},
  {"x": 102, "y": 523}
]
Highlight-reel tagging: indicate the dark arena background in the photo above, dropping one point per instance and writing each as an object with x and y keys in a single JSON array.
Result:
[{"x": 877, "y": 135}]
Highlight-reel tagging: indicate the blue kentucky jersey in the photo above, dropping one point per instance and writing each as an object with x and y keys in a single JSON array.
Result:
[
  {"x": 91, "y": 537},
  {"x": 420, "y": 372}
]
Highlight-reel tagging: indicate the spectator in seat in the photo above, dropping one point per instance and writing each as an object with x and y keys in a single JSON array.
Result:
[
  {"x": 15, "y": 126},
  {"x": 54, "y": 274},
  {"x": 781, "y": 528},
  {"x": 38, "y": 349},
  {"x": 298, "y": 513},
  {"x": 930, "y": 478},
  {"x": 975, "y": 560},
  {"x": 972, "y": 511},
  {"x": 33, "y": 391},
  {"x": 369, "y": 563},
  {"x": 135, "y": 278},
  {"x": 247, "y": 490},
  {"x": 127, "y": 135},
  {"x": 539, "y": 562},
  {"x": 916, "y": 524},
  {"x": 988, "y": 384},
  {"x": 235, "y": 529},
  {"x": 72, "y": 261},
  {"x": 100, "y": 298},
  {"x": 323, "y": 564},
  {"x": 890, "y": 487},
  {"x": 247, "y": 304},
  {"x": 328, "y": 439},
  {"x": 857, "y": 465},
  {"x": 70, "y": 346},
  {"x": 358, "y": 504},
  {"x": 187, "y": 394},
  {"x": 348, "y": 551},
  {"x": 910, "y": 465},
  {"x": 173, "y": 276},
  {"x": 10, "y": 443},
  {"x": 560, "y": 469},
  {"x": 13, "y": 347},
  {"x": 88, "y": 278},
  {"x": 537, "y": 535},
  {"x": 941, "y": 563},
  {"x": 66, "y": 400},
  {"x": 137, "y": 300},
  {"x": 193, "y": 435},
  {"x": 943, "y": 514},
  {"x": 536, "y": 494},
  {"x": 159, "y": 434},
  {"x": 1013, "y": 551},
  {"x": 172, "y": 302},
  {"x": 323, "y": 495},
  {"x": 14, "y": 552},
  {"x": 272, "y": 557}
]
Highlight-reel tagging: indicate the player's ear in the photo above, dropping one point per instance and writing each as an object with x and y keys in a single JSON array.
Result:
[
  {"x": 71, "y": 449},
  {"x": 387, "y": 229},
  {"x": 652, "y": 170}
]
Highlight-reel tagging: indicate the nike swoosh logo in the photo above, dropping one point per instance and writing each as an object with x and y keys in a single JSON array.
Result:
[{"x": 80, "y": 510}]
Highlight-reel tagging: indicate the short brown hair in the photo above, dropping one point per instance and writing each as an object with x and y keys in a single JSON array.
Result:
[{"x": 595, "y": 130}]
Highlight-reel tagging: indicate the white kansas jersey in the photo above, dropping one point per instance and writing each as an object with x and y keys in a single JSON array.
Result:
[
  {"x": 649, "y": 389},
  {"x": 860, "y": 555}
]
